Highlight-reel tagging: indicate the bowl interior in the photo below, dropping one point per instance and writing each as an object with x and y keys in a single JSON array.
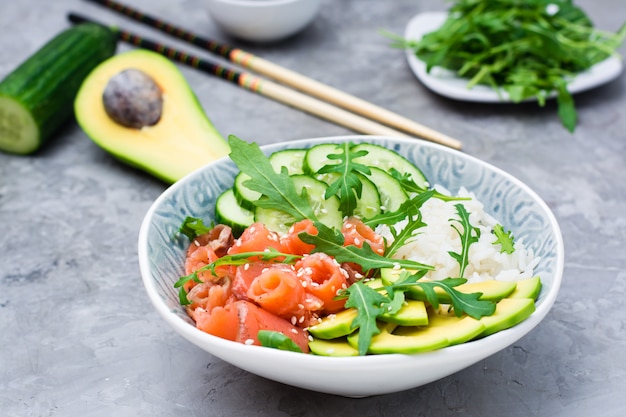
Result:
[{"x": 519, "y": 209}]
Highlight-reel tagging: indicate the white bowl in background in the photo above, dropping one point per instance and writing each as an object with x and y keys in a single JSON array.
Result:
[
  {"x": 162, "y": 255},
  {"x": 262, "y": 20}
]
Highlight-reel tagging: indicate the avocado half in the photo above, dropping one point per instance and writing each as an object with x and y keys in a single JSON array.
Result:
[{"x": 183, "y": 139}]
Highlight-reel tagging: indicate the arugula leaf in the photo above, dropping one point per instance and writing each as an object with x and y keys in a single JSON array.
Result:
[
  {"x": 410, "y": 186},
  {"x": 278, "y": 189},
  {"x": 530, "y": 49},
  {"x": 462, "y": 303},
  {"x": 193, "y": 227},
  {"x": 409, "y": 210},
  {"x": 468, "y": 235},
  {"x": 347, "y": 186},
  {"x": 331, "y": 242},
  {"x": 180, "y": 284},
  {"x": 370, "y": 305},
  {"x": 277, "y": 340},
  {"x": 504, "y": 238},
  {"x": 566, "y": 107}
]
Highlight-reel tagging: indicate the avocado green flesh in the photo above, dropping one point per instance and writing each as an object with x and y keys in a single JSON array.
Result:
[
  {"x": 527, "y": 288},
  {"x": 334, "y": 325},
  {"x": 509, "y": 312},
  {"x": 412, "y": 313},
  {"x": 418, "y": 339},
  {"x": 183, "y": 140},
  {"x": 334, "y": 347},
  {"x": 444, "y": 328}
]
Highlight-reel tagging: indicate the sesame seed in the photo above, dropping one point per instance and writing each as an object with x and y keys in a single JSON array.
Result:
[
  {"x": 294, "y": 320},
  {"x": 249, "y": 342}
]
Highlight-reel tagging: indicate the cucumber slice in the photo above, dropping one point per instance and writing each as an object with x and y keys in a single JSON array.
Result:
[
  {"x": 244, "y": 196},
  {"x": 231, "y": 213},
  {"x": 326, "y": 210},
  {"x": 391, "y": 192},
  {"x": 369, "y": 205},
  {"x": 292, "y": 159},
  {"x": 317, "y": 156},
  {"x": 385, "y": 159}
]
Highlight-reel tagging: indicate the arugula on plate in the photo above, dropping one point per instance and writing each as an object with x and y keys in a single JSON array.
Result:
[{"x": 527, "y": 48}]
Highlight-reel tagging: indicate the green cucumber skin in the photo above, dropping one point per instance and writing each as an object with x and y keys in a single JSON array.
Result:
[{"x": 47, "y": 82}]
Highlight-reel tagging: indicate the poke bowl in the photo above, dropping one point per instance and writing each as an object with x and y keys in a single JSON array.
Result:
[{"x": 162, "y": 254}]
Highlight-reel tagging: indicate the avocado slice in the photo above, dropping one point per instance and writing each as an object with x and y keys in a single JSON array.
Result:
[
  {"x": 182, "y": 140},
  {"x": 412, "y": 339},
  {"x": 527, "y": 288},
  {"x": 412, "y": 313},
  {"x": 445, "y": 329},
  {"x": 509, "y": 312},
  {"x": 492, "y": 290},
  {"x": 334, "y": 325},
  {"x": 334, "y": 347},
  {"x": 456, "y": 329}
]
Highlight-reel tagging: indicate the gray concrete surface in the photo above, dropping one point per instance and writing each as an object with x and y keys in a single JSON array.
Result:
[{"x": 78, "y": 336}]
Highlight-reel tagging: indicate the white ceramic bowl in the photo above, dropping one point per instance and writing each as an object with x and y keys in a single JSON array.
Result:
[
  {"x": 161, "y": 257},
  {"x": 262, "y": 20}
]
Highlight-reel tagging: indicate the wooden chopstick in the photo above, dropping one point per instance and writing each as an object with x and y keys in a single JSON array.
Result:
[
  {"x": 256, "y": 84},
  {"x": 287, "y": 77}
]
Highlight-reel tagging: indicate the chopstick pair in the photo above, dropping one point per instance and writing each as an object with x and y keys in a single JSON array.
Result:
[
  {"x": 361, "y": 114},
  {"x": 256, "y": 84}
]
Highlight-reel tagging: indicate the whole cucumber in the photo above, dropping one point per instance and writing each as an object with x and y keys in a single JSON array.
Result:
[{"x": 37, "y": 98}]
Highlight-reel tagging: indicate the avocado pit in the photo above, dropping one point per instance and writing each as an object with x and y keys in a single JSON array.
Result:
[{"x": 133, "y": 99}]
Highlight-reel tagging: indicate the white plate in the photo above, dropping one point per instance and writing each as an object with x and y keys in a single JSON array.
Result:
[{"x": 447, "y": 84}]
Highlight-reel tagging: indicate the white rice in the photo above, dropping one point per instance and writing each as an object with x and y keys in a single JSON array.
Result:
[{"x": 432, "y": 243}]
